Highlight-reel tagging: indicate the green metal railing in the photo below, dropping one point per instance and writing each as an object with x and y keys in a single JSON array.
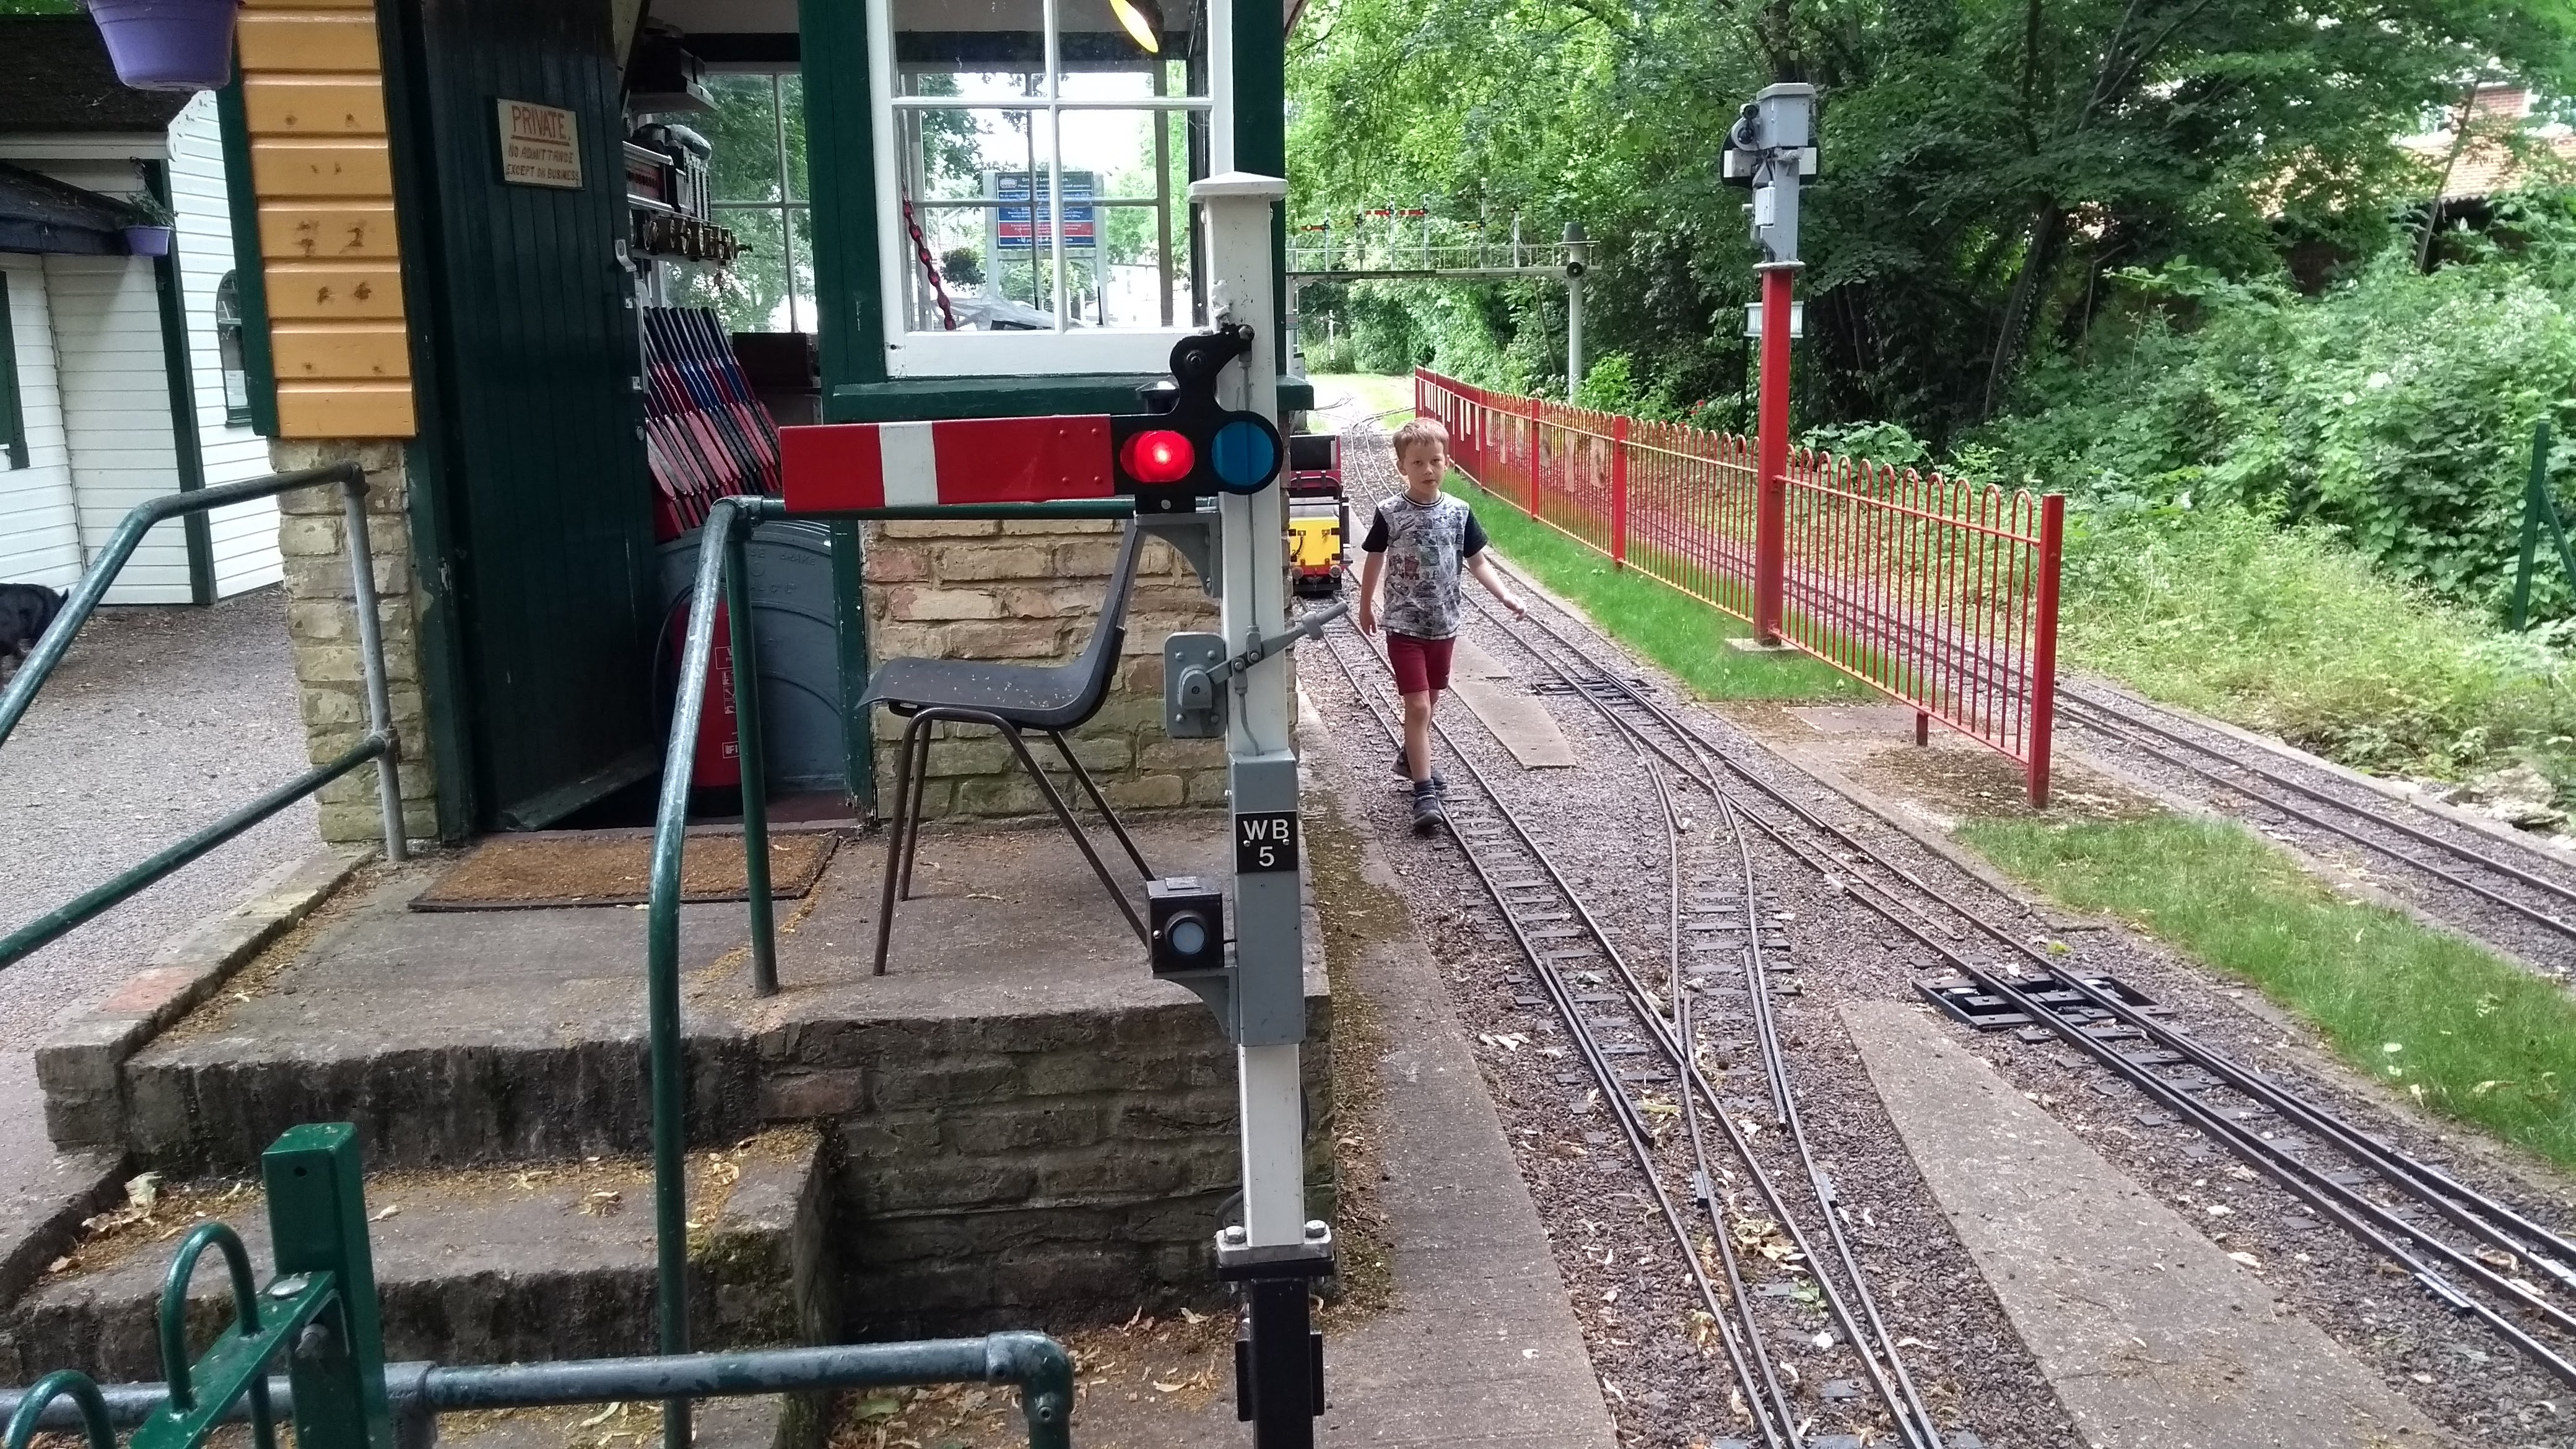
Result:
[
  {"x": 378, "y": 744},
  {"x": 2538, "y": 507},
  {"x": 724, "y": 570},
  {"x": 319, "y": 1315}
]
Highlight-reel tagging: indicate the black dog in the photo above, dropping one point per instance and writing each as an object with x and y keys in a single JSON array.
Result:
[{"x": 25, "y": 610}]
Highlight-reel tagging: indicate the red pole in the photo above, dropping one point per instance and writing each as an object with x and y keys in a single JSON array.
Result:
[
  {"x": 2042, "y": 679},
  {"x": 1619, "y": 492},
  {"x": 1771, "y": 518}
]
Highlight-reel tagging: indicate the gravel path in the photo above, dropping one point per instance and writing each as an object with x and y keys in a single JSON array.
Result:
[
  {"x": 159, "y": 720},
  {"x": 1664, "y": 1370},
  {"x": 1600, "y": 823}
]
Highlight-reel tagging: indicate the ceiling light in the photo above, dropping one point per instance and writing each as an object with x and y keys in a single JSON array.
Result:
[{"x": 1138, "y": 27}]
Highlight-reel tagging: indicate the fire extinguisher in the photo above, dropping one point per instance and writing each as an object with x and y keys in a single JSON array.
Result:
[{"x": 719, "y": 749}]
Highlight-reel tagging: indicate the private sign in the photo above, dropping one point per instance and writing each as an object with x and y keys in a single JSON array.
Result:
[{"x": 539, "y": 146}]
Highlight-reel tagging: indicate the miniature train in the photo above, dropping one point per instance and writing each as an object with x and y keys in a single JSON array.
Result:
[{"x": 1319, "y": 515}]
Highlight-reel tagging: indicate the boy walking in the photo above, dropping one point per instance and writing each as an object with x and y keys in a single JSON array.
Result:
[{"x": 1417, "y": 544}]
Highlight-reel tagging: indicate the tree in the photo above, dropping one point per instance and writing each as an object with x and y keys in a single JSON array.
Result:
[{"x": 1984, "y": 160}]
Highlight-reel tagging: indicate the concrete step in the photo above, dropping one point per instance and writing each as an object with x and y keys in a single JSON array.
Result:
[
  {"x": 548, "y": 1261},
  {"x": 451, "y": 1040},
  {"x": 773, "y": 1421}
]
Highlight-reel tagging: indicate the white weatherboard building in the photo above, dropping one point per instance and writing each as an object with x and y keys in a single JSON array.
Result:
[{"x": 121, "y": 375}]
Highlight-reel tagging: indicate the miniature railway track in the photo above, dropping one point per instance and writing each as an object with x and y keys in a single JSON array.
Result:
[
  {"x": 2472, "y": 1252},
  {"x": 1566, "y": 948},
  {"x": 2528, "y": 895}
]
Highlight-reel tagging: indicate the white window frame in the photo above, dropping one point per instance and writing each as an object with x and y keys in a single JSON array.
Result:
[{"x": 1008, "y": 354}]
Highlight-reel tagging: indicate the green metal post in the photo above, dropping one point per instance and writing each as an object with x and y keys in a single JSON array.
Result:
[
  {"x": 750, "y": 754},
  {"x": 317, "y": 1221},
  {"x": 2532, "y": 493}
]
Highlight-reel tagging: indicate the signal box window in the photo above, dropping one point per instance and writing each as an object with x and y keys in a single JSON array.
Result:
[
  {"x": 1034, "y": 160},
  {"x": 228, "y": 350}
]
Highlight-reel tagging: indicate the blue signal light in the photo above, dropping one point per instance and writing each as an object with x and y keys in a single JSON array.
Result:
[{"x": 1244, "y": 456}]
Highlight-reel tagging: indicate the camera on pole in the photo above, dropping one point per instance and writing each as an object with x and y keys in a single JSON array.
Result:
[{"x": 1769, "y": 148}]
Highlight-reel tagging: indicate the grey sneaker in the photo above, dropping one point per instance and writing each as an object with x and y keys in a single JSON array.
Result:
[
  {"x": 1427, "y": 814},
  {"x": 1404, "y": 770}
]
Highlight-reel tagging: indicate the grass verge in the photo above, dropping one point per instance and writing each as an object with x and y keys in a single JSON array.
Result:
[
  {"x": 2470, "y": 1035},
  {"x": 1666, "y": 625}
]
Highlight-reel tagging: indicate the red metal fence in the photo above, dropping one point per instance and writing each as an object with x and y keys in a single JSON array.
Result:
[{"x": 1940, "y": 594}]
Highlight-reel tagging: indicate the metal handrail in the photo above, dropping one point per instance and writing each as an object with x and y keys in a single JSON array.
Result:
[
  {"x": 724, "y": 567},
  {"x": 379, "y": 743},
  {"x": 322, "y": 1318}
]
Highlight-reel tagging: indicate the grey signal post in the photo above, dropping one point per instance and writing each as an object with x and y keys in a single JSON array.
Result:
[
  {"x": 1275, "y": 1253},
  {"x": 1771, "y": 148}
]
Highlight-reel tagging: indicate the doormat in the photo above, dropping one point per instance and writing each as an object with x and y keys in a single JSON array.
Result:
[{"x": 532, "y": 872}]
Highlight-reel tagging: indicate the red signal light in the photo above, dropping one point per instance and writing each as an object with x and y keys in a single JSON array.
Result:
[{"x": 1159, "y": 456}]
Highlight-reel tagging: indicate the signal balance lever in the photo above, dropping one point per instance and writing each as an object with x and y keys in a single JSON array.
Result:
[{"x": 1194, "y": 708}]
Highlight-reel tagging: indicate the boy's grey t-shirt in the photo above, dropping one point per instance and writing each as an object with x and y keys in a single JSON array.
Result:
[{"x": 1424, "y": 544}]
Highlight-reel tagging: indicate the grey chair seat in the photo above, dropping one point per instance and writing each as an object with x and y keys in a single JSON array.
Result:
[
  {"x": 1011, "y": 700},
  {"x": 1030, "y": 696}
]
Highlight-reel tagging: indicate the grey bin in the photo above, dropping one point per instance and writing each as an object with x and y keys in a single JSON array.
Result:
[{"x": 800, "y": 656}]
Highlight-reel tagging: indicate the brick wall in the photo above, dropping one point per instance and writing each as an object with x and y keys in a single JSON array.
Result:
[
  {"x": 1001, "y": 1169},
  {"x": 1028, "y": 592},
  {"x": 323, "y": 628}
]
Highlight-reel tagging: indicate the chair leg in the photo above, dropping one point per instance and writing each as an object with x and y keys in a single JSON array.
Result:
[
  {"x": 1093, "y": 790},
  {"x": 904, "y": 806},
  {"x": 912, "y": 825},
  {"x": 1073, "y": 828}
]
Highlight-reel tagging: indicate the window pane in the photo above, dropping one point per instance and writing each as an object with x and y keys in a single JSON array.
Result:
[
  {"x": 1108, "y": 65},
  {"x": 1132, "y": 249},
  {"x": 743, "y": 129},
  {"x": 751, "y": 294},
  {"x": 982, "y": 49},
  {"x": 791, "y": 114}
]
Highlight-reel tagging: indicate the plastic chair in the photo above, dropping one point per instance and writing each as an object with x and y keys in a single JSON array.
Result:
[{"x": 1015, "y": 700}]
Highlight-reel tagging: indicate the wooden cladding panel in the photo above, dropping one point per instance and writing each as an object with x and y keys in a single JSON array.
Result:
[
  {"x": 314, "y": 351},
  {"x": 295, "y": 231},
  {"x": 296, "y": 105},
  {"x": 303, "y": 291},
  {"x": 345, "y": 410},
  {"x": 313, "y": 101},
  {"x": 359, "y": 168},
  {"x": 285, "y": 40}
]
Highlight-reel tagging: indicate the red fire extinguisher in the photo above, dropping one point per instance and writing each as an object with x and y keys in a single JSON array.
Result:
[{"x": 719, "y": 756}]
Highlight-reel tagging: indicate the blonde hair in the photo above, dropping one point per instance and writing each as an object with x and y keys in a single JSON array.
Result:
[{"x": 1419, "y": 431}]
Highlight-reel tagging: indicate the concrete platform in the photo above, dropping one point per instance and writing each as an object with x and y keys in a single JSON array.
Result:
[
  {"x": 2151, "y": 1336},
  {"x": 490, "y": 1266},
  {"x": 1017, "y": 1116}
]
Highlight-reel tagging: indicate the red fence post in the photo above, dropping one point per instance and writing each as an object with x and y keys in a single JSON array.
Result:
[
  {"x": 1771, "y": 481},
  {"x": 1536, "y": 474},
  {"x": 1619, "y": 491},
  {"x": 2042, "y": 678}
]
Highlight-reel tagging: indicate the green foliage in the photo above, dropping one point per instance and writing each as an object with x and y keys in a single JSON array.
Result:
[
  {"x": 2396, "y": 407},
  {"x": 743, "y": 130},
  {"x": 1666, "y": 625},
  {"x": 2469, "y": 1034},
  {"x": 2289, "y": 631},
  {"x": 1984, "y": 164}
]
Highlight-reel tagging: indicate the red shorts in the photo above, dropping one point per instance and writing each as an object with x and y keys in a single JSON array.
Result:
[{"x": 1421, "y": 665}]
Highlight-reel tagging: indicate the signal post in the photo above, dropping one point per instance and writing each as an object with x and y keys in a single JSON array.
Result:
[{"x": 1770, "y": 148}]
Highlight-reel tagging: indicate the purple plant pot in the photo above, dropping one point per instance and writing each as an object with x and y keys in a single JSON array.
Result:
[
  {"x": 168, "y": 45},
  {"x": 147, "y": 241}
]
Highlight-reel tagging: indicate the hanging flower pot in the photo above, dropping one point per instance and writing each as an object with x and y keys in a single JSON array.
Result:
[
  {"x": 168, "y": 45},
  {"x": 147, "y": 241}
]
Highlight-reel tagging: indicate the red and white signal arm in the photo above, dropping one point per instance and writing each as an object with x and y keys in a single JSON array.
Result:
[{"x": 838, "y": 467}]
